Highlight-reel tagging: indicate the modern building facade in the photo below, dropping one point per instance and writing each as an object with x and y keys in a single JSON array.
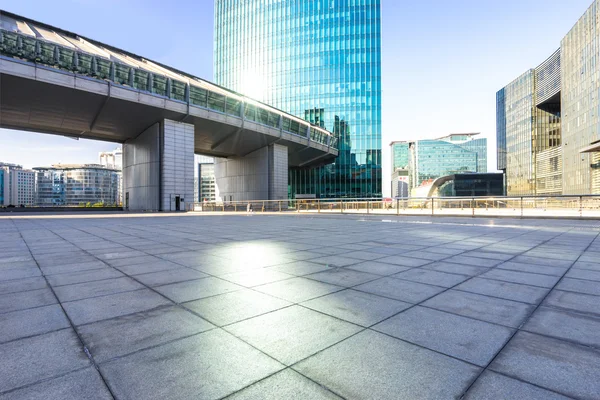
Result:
[
  {"x": 76, "y": 185},
  {"x": 17, "y": 185},
  {"x": 420, "y": 162},
  {"x": 463, "y": 185},
  {"x": 547, "y": 119},
  {"x": 320, "y": 61}
]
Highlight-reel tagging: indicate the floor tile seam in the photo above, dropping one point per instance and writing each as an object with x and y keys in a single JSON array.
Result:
[
  {"x": 111, "y": 360},
  {"x": 512, "y": 328},
  {"x": 571, "y": 310},
  {"x": 71, "y": 272},
  {"x": 597, "y": 282},
  {"x": 47, "y": 379},
  {"x": 594, "y": 348},
  {"x": 93, "y": 280},
  {"x": 34, "y": 335},
  {"x": 515, "y": 283},
  {"x": 280, "y": 371},
  {"x": 224, "y": 326},
  {"x": 77, "y": 335},
  {"x": 344, "y": 286},
  {"x": 28, "y": 308},
  {"x": 529, "y": 272},
  {"x": 102, "y": 295},
  {"x": 524, "y": 322},
  {"x": 500, "y": 298},
  {"x": 508, "y": 375}
]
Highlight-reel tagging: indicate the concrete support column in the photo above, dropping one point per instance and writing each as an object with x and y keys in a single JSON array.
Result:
[
  {"x": 261, "y": 175},
  {"x": 158, "y": 168}
]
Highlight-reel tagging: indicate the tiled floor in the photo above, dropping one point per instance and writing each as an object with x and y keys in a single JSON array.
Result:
[{"x": 298, "y": 307}]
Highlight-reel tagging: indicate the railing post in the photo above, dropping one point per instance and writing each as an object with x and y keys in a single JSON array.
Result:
[
  {"x": 432, "y": 205},
  {"x": 368, "y": 205},
  {"x": 318, "y": 205},
  {"x": 279, "y": 205},
  {"x": 397, "y": 206},
  {"x": 473, "y": 204},
  {"x": 521, "y": 206},
  {"x": 234, "y": 207},
  {"x": 263, "y": 207},
  {"x": 341, "y": 206},
  {"x": 580, "y": 206}
]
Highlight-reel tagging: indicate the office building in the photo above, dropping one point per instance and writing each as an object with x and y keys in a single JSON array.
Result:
[
  {"x": 547, "y": 119},
  {"x": 76, "y": 185},
  {"x": 420, "y": 162},
  {"x": 17, "y": 186},
  {"x": 205, "y": 187},
  {"x": 320, "y": 61}
]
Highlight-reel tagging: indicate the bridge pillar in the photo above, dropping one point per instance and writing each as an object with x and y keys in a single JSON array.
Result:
[
  {"x": 260, "y": 175},
  {"x": 158, "y": 168}
]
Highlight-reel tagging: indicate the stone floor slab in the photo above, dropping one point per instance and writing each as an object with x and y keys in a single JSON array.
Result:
[
  {"x": 470, "y": 340},
  {"x": 30, "y": 360},
  {"x": 581, "y": 328},
  {"x": 430, "y": 277},
  {"x": 297, "y": 290},
  {"x": 398, "y": 289},
  {"x": 569, "y": 369},
  {"x": 525, "y": 278},
  {"x": 504, "y": 290},
  {"x": 103, "y": 287},
  {"x": 24, "y": 300},
  {"x": 360, "y": 308},
  {"x": 287, "y": 384},
  {"x": 493, "y": 386},
  {"x": 232, "y": 307},
  {"x": 343, "y": 277},
  {"x": 196, "y": 289},
  {"x": 129, "y": 333},
  {"x": 22, "y": 285},
  {"x": 111, "y": 306},
  {"x": 33, "y": 321},
  {"x": 85, "y": 384},
  {"x": 573, "y": 301},
  {"x": 210, "y": 365},
  {"x": 371, "y": 365},
  {"x": 293, "y": 333},
  {"x": 169, "y": 276},
  {"x": 485, "y": 308}
]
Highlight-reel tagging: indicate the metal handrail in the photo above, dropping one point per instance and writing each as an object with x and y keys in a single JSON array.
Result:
[{"x": 579, "y": 206}]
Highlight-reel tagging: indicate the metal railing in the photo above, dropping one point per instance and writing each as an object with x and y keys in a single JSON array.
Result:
[{"x": 582, "y": 206}]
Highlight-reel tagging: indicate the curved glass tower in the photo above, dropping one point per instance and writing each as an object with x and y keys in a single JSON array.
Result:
[{"x": 319, "y": 60}]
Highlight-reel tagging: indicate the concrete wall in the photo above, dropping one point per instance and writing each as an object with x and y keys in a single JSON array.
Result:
[
  {"x": 158, "y": 166},
  {"x": 177, "y": 168},
  {"x": 141, "y": 170},
  {"x": 278, "y": 172},
  {"x": 261, "y": 175}
]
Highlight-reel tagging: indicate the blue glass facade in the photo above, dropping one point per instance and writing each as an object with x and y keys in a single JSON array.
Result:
[
  {"x": 432, "y": 159},
  {"x": 319, "y": 60}
]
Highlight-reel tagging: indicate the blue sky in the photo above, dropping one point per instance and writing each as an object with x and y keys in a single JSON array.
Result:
[{"x": 443, "y": 61}]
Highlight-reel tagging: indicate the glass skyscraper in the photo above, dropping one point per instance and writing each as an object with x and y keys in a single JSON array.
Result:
[{"x": 319, "y": 60}]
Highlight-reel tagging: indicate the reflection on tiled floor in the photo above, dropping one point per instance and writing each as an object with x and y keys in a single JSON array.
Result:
[{"x": 298, "y": 307}]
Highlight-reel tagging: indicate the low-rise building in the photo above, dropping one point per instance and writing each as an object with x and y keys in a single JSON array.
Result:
[{"x": 17, "y": 185}]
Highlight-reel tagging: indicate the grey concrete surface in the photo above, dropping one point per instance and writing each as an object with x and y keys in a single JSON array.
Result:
[{"x": 266, "y": 306}]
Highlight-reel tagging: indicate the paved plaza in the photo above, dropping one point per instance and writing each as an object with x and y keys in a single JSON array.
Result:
[{"x": 298, "y": 307}]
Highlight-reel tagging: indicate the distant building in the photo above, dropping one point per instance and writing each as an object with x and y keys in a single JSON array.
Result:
[
  {"x": 76, "y": 184},
  {"x": 420, "y": 162},
  {"x": 112, "y": 159},
  {"x": 206, "y": 186},
  {"x": 17, "y": 185}
]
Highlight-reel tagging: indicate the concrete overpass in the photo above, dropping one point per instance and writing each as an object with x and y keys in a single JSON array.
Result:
[{"x": 57, "y": 82}]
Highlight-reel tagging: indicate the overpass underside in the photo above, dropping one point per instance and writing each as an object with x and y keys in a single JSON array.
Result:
[{"x": 160, "y": 130}]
